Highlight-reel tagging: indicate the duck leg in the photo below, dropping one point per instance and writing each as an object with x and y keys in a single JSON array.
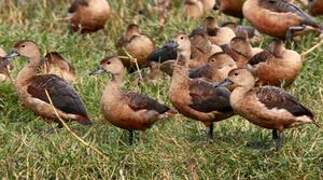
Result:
[
  {"x": 291, "y": 30},
  {"x": 130, "y": 137},
  {"x": 210, "y": 131},
  {"x": 278, "y": 138}
]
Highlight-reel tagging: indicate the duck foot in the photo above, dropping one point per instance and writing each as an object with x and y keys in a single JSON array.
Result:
[
  {"x": 210, "y": 132},
  {"x": 278, "y": 138}
]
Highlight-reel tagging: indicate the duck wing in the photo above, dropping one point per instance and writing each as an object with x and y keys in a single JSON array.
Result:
[
  {"x": 261, "y": 57},
  {"x": 76, "y": 4},
  {"x": 273, "y": 97},
  {"x": 200, "y": 72},
  {"x": 63, "y": 96},
  {"x": 139, "y": 102},
  {"x": 206, "y": 98}
]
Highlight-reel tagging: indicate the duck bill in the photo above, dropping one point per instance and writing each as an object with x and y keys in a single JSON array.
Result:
[
  {"x": 99, "y": 70},
  {"x": 12, "y": 54},
  {"x": 225, "y": 83}
]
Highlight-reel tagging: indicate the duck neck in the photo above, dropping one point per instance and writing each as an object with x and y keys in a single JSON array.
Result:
[
  {"x": 28, "y": 71},
  {"x": 240, "y": 93},
  {"x": 113, "y": 88}
]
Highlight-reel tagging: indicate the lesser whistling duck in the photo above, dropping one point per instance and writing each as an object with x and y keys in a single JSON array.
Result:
[
  {"x": 54, "y": 63},
  {"x": 31, "y": 89},
  {"x": 193, "y": 8},
  {"x": 316, "y": 7},
  {"x": 196, "y": 99},
  {"x": 216, "y": 70},
  {"x": 217, "y": 35},
  {"x": 127, "y": 110},
  {"x": 89, "y": 15},
  {"x": 137, "y": 44},
  {"x": 240, "y": 50},
  {"x": 269, "y": 107},
  {"x": 4, "y": 70},
  {"x": 277, "y": 18},
  {"x": 277, "y": 65},
  {"x": 230, "y": 7}
]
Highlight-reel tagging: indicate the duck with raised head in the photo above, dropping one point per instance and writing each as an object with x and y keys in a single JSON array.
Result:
[
  {"x": 268, "y": 106},
  {"x": 137, "y": 44},
  {"x": 196, "y": 99},
  {"x": 127, "y": 110},
  {"x": 230, "y": 7},
  {"x": 276, "y": 65},
  {"x": 89, "y": 15},
  {"x": 240, "y": 50},
  {"x": 278, "y": 18},
  {"x": 55, "y": 63},
  {"x": 315, "y": 7},
  {"x": 216, "y": 70},
  {"x": 193, "y": 8},
  {"x": 31, "y": 89}
]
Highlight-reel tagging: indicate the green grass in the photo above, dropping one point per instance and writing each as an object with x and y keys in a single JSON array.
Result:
[{"x": 174, "y": 149}]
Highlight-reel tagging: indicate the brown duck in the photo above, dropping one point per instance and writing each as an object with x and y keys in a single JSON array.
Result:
[
  {"x": 31, "y": 89},
  {"x": 196, "y": 99},
  {"x": 230, "y": 7},
  {"x": 137, "y": 44},
  {"x": 269, "y": 107},
  {"x": 216, "y": 70},
  {"x": 316, "y": 7},
  {"x": 276, "y": 66},
  {"x": 193, "y": 8},
  {"x": 54, "y": 63},
  {"x": 89, "y": 15},
  {"x": 278, "y": 18},
  {"x": 127, "y": 110}
]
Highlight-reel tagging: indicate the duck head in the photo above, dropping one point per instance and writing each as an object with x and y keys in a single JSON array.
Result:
[
  {"x": 222, "y": 63},
  {"x": 239, "y": 78},
  {"x": 112, "y": 65}
]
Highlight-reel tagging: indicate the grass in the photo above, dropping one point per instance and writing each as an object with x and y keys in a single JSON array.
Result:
[{"x": 174, "y": 149}]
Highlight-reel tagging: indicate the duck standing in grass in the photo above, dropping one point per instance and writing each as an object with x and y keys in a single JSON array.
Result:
[
  {"x": 54, "y": 63},
  {"x": 127, "y": 110},
  {"x": 316, "y": 7},
  {"x": 278, "y": 18},
  {"x": 197, "y": 99},
  {"x": 89, "y": 15},
  {"x": 276, "y": 66},
  {"x": 268, "y": 106},
  {"x": 31, "y": 89},
  {"x": 137, "y": 45}
]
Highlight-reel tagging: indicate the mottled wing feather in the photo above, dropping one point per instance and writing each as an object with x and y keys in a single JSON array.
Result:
[
  {"x": 206, "y": 98},
  {"x": 273, "y": 97},
  {"x": 76, "y": 4},
  {"x": 63, "y": 96},
  {"x": 139, "y": 102},
  {"x": 260, "y": 57}
]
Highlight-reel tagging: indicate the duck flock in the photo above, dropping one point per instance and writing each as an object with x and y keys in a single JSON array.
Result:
[{"x": 215, "y": 71}]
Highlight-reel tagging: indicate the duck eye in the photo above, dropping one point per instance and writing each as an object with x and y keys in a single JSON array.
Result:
[
  {"x": 182, "y": 37},
  {"x": 109, "y": 62},
  {"x": 236, "y": 74},
  {"x": 271, "y": 2},
  {"x": 23, "y": 46}
]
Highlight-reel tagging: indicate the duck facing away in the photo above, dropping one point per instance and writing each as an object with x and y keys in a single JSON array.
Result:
[
  {"x": 197, "y": 99},
  {"x": 127, "y": 110},
  {"x": 137, "y": 44},
  {"x": 316, "y": 7},
  {"x": 278, "y": 18},
  {"x": 216, "y": 70},
  {"x": 89, "y": 15},
  {"x": 276, "y": 66},
  {"x": 269, "y": 107},
  {"x": 54, "y": 63},
  {"x": 31, "y": 89}
]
